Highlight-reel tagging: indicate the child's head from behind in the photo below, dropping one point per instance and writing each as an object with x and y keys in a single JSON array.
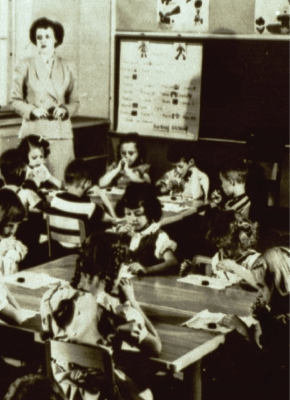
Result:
[
  {"x": 77, "y": 177},
  {"x": 233, "y": 176},
  {"x": 140, "y": 205},
  {"x": 272, "y": 275},
  {"x": 12, "y": 167},
  {"x": 181, "y": 156},
  {"x": 34, "y": 149},
  {"x": 11, "y": 212},
  {"x": 33, "y": 386},
  {"x": 99, "y": 262},
  {"x": 232, "y": 233},
  {"x": 131, "y": 149}
]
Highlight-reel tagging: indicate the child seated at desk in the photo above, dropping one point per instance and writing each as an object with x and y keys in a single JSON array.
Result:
[
  {"x": 12, "y": 251},
  {"x": 131, "y": 166},
  {"x": 75, "y": 203},
  {"x": 235, "y": 236},
  {"x": 254, "y": 362},
  {"x": 88, "y": 312},
  {"x": 151, "y": 251},
  {"x": 233, "y": 196},
  {"x": 34, "y": 150},
  {"x": 185, "y": 178},
  {"x": 13, "y": 170}
]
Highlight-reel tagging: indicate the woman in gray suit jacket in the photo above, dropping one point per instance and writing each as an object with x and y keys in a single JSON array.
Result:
[{"x": 44, "y": 93}]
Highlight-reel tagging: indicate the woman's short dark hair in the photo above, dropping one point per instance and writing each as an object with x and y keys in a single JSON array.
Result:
[
  {"x": 45, "y": 23},
  {"x": 133, "y": 137},
  {"x": 11, "y": 208},
  {"x": 33, "y": 141},
  {"x": 141, "y": 195},
  {"x": 102, "y": 254}
]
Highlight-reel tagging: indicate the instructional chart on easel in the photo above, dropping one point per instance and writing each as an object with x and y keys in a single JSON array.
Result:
[{"x": 159, "y": 88}]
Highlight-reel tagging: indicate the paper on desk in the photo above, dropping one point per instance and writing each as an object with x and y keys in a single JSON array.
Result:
[
  {"x": 32, "y": 280},
  {"x": 206, "y": 281},
  {"x": 124, "y": 272},
  {"x": 174, "y": 207},
  {"x": 205, "y": 317},
  {"x": 26, "y": 314},
  {"x": 114, "y": 190}
]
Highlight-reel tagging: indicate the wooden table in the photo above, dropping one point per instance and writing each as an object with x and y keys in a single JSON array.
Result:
[{"x": 168, "y": 303}]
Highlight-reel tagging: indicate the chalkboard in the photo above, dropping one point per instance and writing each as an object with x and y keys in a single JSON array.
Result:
[
  {"x": 245, "y": 90},
  {"x": 159, "y": 88}
]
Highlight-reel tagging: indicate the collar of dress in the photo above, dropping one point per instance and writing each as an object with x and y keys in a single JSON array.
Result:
[{"x": 136, "y": 238}]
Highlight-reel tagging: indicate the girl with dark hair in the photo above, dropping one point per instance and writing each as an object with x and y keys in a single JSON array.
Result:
[
  {"x": 151, "y": 251},
  {"x": 44, "y": 93},
  {"x": 34, "y": 150},
  {"x": 12, "y": 251},
  {"x": 130, "y": 166},
  {"x": 97, "y": 308}
]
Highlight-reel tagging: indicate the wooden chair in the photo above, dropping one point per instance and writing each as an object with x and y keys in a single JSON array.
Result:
[
  {"x": 72, "y": 231},
  {"x": 96, "y": 357}
]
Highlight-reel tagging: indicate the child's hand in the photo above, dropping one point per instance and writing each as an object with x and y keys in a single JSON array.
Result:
[
  {"x": 129, "y": 229},
  {"x": 227, "y": 265},
  {"x": 127, "y": 289},
  {"x": 216, "y": 196},
  {"x": 122, "y": 165},
  {"x": 172, "y": 184},
  {"x": 78, "y": 376},
  {"x": 137, "y": 269},
  {"x": 234, "y": 322},
  {"x": 185, "y": 267}
]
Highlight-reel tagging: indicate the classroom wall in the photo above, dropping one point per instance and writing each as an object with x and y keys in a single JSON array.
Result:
[{"x": 86, "y": 42}]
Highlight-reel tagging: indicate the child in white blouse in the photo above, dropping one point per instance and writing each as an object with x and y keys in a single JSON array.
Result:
[
  {"x": 235, "y": 236},
  {"x": 98, "y": 308},
  {"x": 131, "y": 166},
  {"x": 151, "y": 251},
  {"x": 34, "y": 150}
]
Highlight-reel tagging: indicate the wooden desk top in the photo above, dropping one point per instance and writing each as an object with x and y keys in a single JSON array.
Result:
[{"x": 168, "y": 303}]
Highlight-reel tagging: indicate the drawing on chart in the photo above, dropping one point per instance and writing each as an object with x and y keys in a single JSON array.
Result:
[{"x": 180, "y": 52}]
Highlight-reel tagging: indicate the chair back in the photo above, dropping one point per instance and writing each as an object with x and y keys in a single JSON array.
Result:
[
  {"x": 66, "y": 230},
  {"x": 96, "y": 357}
]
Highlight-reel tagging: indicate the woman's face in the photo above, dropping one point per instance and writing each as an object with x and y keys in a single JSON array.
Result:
[
  {"x": 45, "y": 41},
  {"x": 129, "y": 152},
  {"x": 35, "y": 157},
  {"x": 9, "y": 229},
  {"x": 136, "y": 218}
]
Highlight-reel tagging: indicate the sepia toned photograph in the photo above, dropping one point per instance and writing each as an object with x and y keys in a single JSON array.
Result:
[{"x": 144, "y": 199}]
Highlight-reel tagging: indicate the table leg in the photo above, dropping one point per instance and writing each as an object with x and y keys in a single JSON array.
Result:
[{"x": 192, "y": 381}]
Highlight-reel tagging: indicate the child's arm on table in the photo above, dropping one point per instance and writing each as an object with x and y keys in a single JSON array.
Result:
[
  {"x": 96, "y": 191},
  {"x": 241, "y": 272},
  {"x": 204, "y": 183},
  {"x": 169, "y": 262},
  {"x": 106, "y": 179},
  {"x": 151, "y": 344}
]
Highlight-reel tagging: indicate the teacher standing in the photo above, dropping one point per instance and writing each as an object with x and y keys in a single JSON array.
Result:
[{"x": 44, "y": 93}]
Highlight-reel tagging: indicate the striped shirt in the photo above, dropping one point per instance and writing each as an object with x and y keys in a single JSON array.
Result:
[
  {"x": 71, "y": 206},
  {"x": 240, "y": 204}
]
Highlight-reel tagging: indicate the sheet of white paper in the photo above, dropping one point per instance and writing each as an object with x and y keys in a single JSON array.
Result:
[
  {"x": 206, "y": 281},
  {"x": 174, "y": 207},
  {"x": 205, "y": 318},
  {"x": 31, "y": 280}
]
